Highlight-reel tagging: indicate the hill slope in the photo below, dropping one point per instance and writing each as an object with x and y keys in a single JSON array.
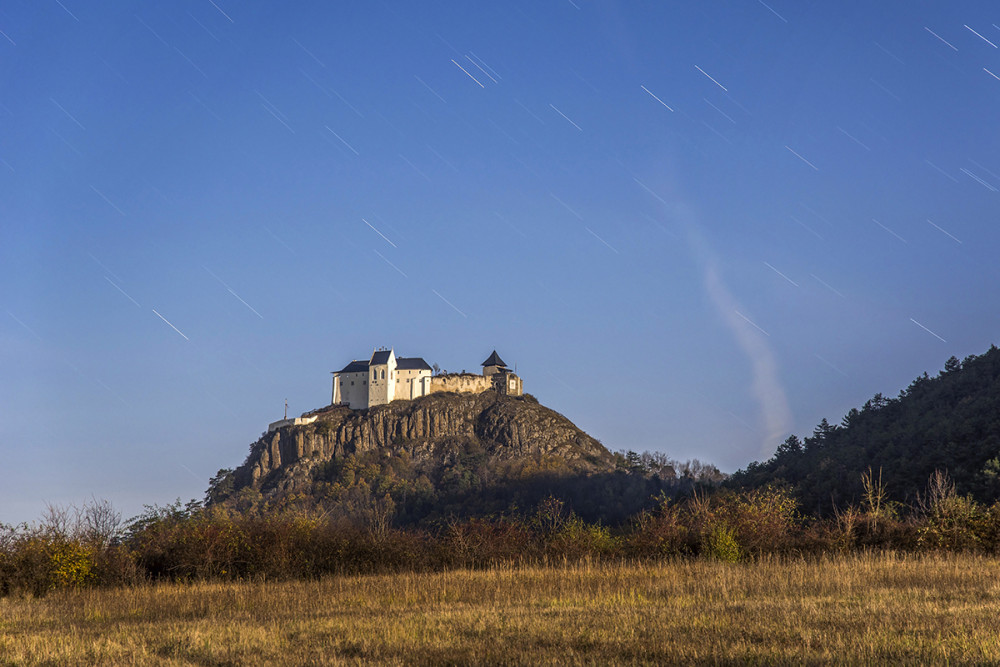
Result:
[
  {"x": 950, "y": 422},
  {"x": 439, "y": 455}
]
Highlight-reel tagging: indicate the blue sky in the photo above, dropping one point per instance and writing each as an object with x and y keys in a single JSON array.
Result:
[{"x": 694, "y": 227}]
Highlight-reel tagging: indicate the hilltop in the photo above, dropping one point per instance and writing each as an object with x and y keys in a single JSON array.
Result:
[
  {"x": 950, "y": 422},
  {"x": 439, "y": 455}
]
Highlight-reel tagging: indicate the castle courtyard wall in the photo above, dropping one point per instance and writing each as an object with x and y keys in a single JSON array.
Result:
[{"x": 463, "y": 383}]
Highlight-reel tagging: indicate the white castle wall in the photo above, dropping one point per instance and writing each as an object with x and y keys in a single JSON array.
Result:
[
  {"x": 352, "y": 389},
  {"x": 298, "y": 421},
  {"x": 412, "y": 383}
]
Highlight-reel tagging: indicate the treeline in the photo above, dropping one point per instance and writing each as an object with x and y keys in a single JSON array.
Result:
[{"x": 93, "y": 547}]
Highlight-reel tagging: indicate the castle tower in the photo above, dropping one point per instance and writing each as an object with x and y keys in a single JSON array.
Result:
[
  {"x": 493, "y": 365},
  {"x": 502, "y": 379},
  {"x": 381, "y": 377}
]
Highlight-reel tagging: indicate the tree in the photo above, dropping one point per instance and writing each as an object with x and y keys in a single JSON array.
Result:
[
  {"x": 101, "y": 522},
  {"x": 382, "y": 511},
  {"x": 876, "y": 402},
  {"x": 991, "y": 474},
  {"x": 220, "y": 487},
  {"x": 850, "y": 418},
  {"x": 953, "y": 364},
  {"x": 875, "y": 497},
  {"x": 821, "y": 435},
  {"x": 823, "y": 431},
  {"x": 791, "y": 447}
]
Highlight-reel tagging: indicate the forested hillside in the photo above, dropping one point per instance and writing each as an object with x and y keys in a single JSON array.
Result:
[{"x": 950, "y": 422}]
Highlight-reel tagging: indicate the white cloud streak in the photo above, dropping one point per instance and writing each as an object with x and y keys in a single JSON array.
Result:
[{"x": 766, "y": 386}]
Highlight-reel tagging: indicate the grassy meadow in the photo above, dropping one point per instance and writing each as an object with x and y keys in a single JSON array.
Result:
[{"x": 858, "y": 609}]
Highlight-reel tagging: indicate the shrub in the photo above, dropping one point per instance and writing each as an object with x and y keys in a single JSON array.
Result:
[
  {"x": 761, "y": 520},
  {"x": 71, "y": 564},
  {"x": 950, "y": 522},
  {"x": 721, "y": 544},
  {"x": 482, "y": 542},
  {"x": 575, "y": 540},
  {"x": 660, "y": 533}
]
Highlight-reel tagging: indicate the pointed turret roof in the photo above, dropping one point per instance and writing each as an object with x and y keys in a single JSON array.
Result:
[{"x": 494, "y": 360}]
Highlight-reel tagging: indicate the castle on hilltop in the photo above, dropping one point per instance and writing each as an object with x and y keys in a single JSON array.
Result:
[{"x": 385, "y": 378}]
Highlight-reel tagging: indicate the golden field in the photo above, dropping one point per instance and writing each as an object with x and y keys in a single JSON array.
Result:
[{"x": 859, "y": 609}]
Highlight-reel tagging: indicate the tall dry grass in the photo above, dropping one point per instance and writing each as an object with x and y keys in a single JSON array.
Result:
[{"x": 859, "y": 609}]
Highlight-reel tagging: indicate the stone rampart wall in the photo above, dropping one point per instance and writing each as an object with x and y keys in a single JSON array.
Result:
[{"x": 462, "y": 383}]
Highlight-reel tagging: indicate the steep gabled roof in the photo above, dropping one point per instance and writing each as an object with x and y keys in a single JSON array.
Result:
[
  {"x": 411, "y": 364},
  {"x": 380, "y": 357},
  {"x": 355, "y": 367},
  {"x": 494, "y": 360}
]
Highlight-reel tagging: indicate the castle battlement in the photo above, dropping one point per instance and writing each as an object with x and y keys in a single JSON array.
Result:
[{"x": 386, "y": 377}]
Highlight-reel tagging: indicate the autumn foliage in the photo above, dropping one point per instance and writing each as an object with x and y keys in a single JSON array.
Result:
[{"x": 93, "y": 547}]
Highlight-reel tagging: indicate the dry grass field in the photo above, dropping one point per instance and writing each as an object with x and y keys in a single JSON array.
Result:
[{"x": 853, "y": 609}]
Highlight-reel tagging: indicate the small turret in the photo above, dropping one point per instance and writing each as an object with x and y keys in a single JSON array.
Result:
[{"x": 493, "y": 365}]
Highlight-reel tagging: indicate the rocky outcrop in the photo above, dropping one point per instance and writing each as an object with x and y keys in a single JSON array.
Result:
[{"x": 504, "y": 426}]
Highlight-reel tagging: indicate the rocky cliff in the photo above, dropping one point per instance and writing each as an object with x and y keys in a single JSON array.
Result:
[{"x": 429, "y": 430}]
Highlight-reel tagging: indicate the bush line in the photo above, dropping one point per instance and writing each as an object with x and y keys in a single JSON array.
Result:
[{"x": 93, "y": 547}]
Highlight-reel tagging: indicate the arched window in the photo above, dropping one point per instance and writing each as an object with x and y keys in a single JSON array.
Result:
[{"x": 383, "y": 373}]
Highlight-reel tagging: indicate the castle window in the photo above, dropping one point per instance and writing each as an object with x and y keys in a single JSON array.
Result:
[{"x": 383, "y": 374}]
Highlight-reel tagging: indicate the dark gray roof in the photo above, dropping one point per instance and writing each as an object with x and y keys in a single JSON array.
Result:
[
  {"x": 411, "y": 363},
  {"x": 355, "y": 367},
  {"x": 494, "y": 360},
  {"x": 380, "y": 357}
]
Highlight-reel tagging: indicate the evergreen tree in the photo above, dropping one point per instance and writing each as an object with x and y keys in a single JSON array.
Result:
[{"x": 790, "y": 448}]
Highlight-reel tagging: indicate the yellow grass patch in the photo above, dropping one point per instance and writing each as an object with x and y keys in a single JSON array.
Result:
[{"x": 853, "y": 609}]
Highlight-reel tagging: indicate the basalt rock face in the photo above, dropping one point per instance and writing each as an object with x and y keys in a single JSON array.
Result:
[{"x": 427, "y": 429}]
